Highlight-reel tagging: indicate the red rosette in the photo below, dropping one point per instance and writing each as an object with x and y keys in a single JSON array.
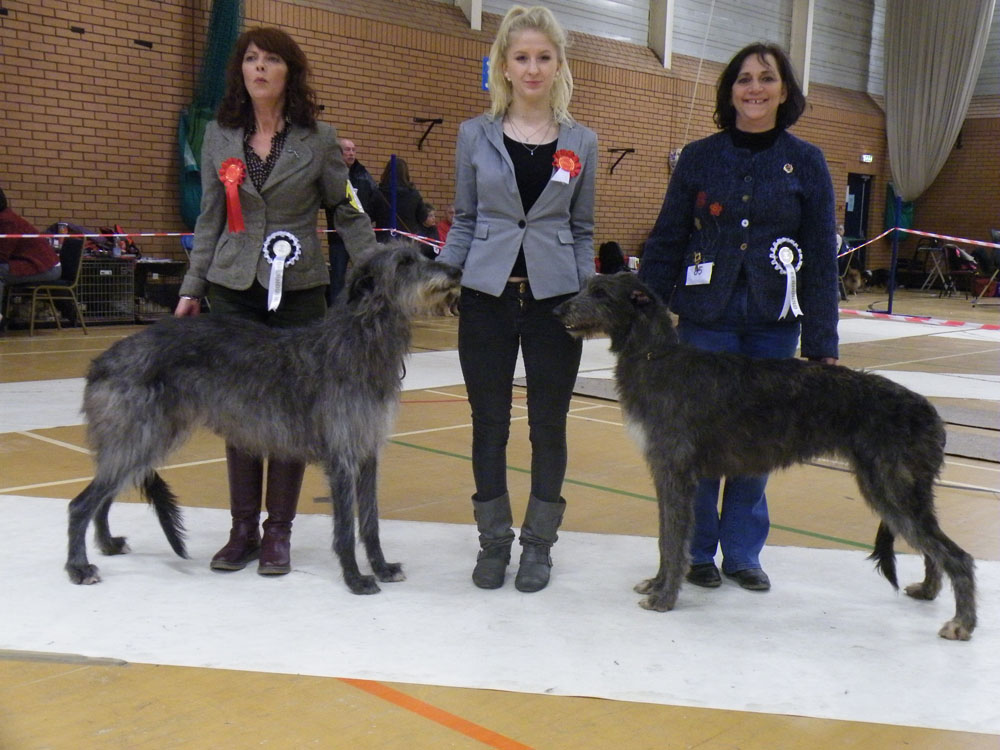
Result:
[
  {"x": 232, "y": 173},
  {"x": 566, "y": 160}
]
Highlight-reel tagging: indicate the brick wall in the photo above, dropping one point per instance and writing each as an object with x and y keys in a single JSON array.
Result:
[{"x": 91, "y": 118}]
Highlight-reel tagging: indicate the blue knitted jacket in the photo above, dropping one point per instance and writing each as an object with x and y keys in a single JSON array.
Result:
[{"x": 730, "y": 205}]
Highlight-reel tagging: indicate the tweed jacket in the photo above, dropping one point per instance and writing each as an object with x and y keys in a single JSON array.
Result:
[
  {"x": 730, "y": 205},
  {"x": 309, "y": 173},
  {"x": 491, "y": 226}
]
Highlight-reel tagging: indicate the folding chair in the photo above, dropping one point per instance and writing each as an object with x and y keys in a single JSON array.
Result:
[{"x": 63, "y": 288}]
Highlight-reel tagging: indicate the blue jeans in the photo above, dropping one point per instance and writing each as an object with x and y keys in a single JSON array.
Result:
[
  {"x": 490, "y": 331},
  {"x": 741, "y": 528}
]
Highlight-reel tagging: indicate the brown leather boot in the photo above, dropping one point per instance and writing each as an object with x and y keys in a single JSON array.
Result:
[
  {"x": 284, "y": 481},
  {"x": 246, "y": 479}
]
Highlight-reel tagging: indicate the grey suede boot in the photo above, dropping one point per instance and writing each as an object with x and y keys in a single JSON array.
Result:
[
  {"x": 494, "y": 519},
  {"x": 538, "y": 534}
]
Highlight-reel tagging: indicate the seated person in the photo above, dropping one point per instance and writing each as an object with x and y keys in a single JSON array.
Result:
[{"x": 26, "y": 260}]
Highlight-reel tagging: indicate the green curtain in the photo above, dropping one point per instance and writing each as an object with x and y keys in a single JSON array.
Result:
[
  {"x": 905, "y": 218},
  {"x": 223, "y": 30}
]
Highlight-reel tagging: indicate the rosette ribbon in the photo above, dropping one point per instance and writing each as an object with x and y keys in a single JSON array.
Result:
[
  {"x": 232, "y": 173},
  {"x": 786, "y": 256},
  {"x": 281, "y": 249},
  {"x": 568, "y": 165}
]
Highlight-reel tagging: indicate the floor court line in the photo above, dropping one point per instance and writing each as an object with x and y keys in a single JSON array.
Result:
[{"x": 435, "y": 714}]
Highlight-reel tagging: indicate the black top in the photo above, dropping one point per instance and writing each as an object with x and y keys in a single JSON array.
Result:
[
  {"x": 533, "y": 170},
  {"x": 754, "y": 141}
]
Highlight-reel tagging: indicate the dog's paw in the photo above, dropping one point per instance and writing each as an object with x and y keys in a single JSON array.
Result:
[
  {"x": 390, "y": 572},
  {"x": 658, "y": 603},
  {"x": 116, "y": 545},
  {"x": 921, "y": 591},
  {"x": 362, "y": 585},
  {"x": 955, "y": 631},
  {"x": 83, "y": 574},
  {"x": 647, "y": 586}
]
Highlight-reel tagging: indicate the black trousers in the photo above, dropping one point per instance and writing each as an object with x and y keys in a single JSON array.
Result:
[{"x": 490, "y": 332}]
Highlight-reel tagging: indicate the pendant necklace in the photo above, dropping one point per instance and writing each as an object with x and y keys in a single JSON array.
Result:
[{"x": 524, "y": 141}]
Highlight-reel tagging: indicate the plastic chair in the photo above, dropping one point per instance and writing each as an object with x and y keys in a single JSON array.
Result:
[{"x": 63, "y": 288}]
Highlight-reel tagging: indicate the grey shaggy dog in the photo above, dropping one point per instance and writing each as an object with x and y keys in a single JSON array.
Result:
[
  {"x": 704, "y": 414},
  {"x": 324, "y": 393}
]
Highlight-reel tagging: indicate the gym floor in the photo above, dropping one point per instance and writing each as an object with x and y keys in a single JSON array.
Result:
[{"x": 55, "y": 695}]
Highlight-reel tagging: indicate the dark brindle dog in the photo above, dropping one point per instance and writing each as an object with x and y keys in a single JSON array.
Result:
[
  {"x": 701, "y": 414},
  {"x": 324, "y": 393}
]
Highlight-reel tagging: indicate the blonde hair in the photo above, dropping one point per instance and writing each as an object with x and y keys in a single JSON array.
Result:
[{"x": 537, "y": 18}]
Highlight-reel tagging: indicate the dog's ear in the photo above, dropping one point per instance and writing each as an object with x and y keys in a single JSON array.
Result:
[
  {"x": 640, "y": 298},
  {"x": 361, "y": 285}
]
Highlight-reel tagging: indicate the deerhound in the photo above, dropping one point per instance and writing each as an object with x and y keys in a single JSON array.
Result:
[
  {"x": 704, "y": 414},
  {"x": 324, "y": 393}
]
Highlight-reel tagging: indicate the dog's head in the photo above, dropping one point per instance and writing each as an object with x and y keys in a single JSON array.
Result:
[
  {"x": 608, "y": 304},
  {"x": 398, "y": 272}
]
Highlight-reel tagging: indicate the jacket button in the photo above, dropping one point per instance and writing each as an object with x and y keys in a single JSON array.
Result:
[
  {"x": 746, "y": 198},
  {"x": 745, "y": 223},
  {"x": 747, "y": 178},
  {"x": 522, "y": 224},
  {"x": 743, "y": 246}
]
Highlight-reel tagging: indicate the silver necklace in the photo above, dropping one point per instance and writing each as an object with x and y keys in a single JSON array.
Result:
[{"x": 525, "y": 140}]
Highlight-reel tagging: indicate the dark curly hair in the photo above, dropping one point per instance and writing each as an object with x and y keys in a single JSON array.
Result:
[
  {"x": 789, "y": 110},
  {"x": 236, "y": 110}
]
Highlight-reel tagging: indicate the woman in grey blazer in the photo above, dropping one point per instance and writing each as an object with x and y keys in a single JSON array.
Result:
[
  {"x": 267, "y": 168},
  {"x": 523, "y": 233}
]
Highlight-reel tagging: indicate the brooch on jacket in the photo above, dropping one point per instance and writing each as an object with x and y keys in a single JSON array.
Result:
[{"x": 567, "y": 165}]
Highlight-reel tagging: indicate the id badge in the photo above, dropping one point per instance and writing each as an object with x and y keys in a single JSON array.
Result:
[{"x": 699, "y": 273}]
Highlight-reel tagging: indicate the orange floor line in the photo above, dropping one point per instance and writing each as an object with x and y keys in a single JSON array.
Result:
[{"x": 419, "y": 707}]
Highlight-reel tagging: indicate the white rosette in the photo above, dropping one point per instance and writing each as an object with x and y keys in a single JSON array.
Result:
[
  {"x": 281, "y": 249},
  {"x": 786, "y": 257}
]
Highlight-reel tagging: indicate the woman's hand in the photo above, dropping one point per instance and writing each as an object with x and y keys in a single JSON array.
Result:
[{"x": 187, "y": 307}]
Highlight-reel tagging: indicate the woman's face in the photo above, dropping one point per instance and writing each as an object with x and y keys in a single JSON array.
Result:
[
  {"x": 264, "y": 74},
  {"x": 531, "y": 65},
  {"x": 757, "y": 93}
]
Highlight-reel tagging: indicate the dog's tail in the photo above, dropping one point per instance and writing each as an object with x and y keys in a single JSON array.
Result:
[
  {"x": 884, "y": 554},
  {"x": 164, "y": 501}
]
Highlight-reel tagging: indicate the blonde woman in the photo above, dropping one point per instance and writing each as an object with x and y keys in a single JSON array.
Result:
[{"x": 523, "y": 234}]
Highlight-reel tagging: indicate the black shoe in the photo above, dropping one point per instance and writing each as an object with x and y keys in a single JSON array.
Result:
[
  {"x": 752, "y": 579},
  {"x": 704, "y": 574}
]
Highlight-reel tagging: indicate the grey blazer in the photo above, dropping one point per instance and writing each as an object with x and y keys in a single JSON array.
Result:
[
  {"x": 490, "y": 224},
  {"x": 309, "y": 173}
]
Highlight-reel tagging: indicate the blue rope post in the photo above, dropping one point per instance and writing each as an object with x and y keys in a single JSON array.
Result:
[
  {"x": 894, "y": 258},
  {"x": 392, "y": 192}
]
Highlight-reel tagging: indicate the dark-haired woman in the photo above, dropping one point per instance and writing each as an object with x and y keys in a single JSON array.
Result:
[
  {"x": 744, "y": 249},
  {"x": 267, "y": 168}
]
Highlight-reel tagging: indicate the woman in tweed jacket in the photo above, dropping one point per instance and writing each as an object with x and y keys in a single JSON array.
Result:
[
  {"x": 744, "y": 250},
  {"x": 285, "y": 167}
]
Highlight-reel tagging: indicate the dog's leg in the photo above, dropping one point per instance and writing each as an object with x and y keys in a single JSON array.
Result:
[
  {"x": 368, "y": 523},
  {"x": 675, "y": 496},
  {"x": 343, "y": 487},
  {"x": 97, "y": 495},
  {"x": 940, "y": 552},
  {"x": 109, "y": 545},
  {"x": 904, "y": 497}
]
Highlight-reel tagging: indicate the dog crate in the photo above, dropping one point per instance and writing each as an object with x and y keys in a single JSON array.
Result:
[
  {"x": 157, "y": 286},
  {"x": 107, "y": 290}
]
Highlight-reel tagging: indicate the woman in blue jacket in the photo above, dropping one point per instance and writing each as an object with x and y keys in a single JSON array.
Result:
[{"x": 744, "y": 250}]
